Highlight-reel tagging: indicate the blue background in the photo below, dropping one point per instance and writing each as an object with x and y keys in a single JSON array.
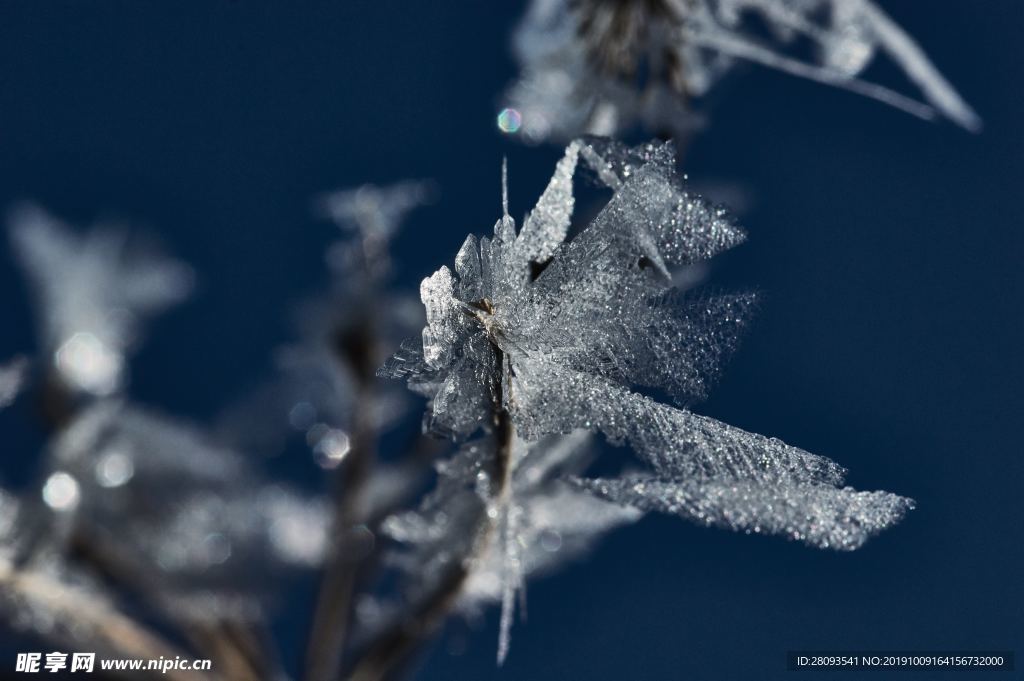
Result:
[{"x": 888, "y": 250}]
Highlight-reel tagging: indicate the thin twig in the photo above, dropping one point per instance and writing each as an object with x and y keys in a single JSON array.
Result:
[{"x": 336, "y": 599}]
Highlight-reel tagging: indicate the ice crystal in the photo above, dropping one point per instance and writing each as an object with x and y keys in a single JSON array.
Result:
[
  {"x": 600, "y": 67},
  {"x": 560, "y": 332},
  {"x": 545, "y": 523},
  {"x": 602, "y": 303},
  {"x": 551, "y": 333},
  {"x": 93, "y": 290}
]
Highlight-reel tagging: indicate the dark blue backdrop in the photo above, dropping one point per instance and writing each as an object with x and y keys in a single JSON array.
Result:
[{"x": 888, "y": 249}]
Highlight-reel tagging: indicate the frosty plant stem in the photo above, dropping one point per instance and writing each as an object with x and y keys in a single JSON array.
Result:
[
  {"x": 335, "y": 601},
  {"x": 395, "y": 645},
  {"x": 590, "y": 66}
]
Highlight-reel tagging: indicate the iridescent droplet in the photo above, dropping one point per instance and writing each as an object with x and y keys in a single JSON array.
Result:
[
  {"x": 509, "y": 121},
  {"x": 331, "y": 448}
]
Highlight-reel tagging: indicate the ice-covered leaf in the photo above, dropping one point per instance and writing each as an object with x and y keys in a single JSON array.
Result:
[
  {"x": 600, "y": 321},
  {"x": 603, "y": 304}
]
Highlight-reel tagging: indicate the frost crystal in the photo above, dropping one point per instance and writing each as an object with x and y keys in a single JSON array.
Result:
[
  {"x": 600, "y": 67},
  {"x": 546, "y": 522},
  {"x": 537, "y": 334},
  {"x": 92, "y": 293},
  {"x": 562, "y": 331}
]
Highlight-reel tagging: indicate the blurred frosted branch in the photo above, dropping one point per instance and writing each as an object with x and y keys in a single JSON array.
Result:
[
  {"x": 602, "y": 67},
  {"x": 93, "y": 291}
]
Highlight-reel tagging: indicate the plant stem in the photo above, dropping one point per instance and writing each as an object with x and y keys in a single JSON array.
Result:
[
  {"x": 225, "y": 642},
  {"x": 394, "y": 647},
  {"x": 336, "y": 599},
  {"x": 97, "y": 621}
]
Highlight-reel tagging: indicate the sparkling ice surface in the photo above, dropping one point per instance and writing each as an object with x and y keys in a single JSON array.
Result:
[{"x": 586, "y": 327}]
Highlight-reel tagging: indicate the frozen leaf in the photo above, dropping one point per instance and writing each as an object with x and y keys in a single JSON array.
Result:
[
  {"x": 542, "y": 335},
  {"x": 603, "y": 303}
]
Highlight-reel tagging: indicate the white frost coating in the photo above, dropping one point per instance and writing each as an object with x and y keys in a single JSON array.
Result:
[
  {"x": 93, "y": 292},
  {"x": 546, "y": 226},
  {"x": 581, "y": 62}
]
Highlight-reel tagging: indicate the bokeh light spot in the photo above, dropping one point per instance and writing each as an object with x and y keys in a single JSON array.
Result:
[{"x": 509, "y": 121}]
